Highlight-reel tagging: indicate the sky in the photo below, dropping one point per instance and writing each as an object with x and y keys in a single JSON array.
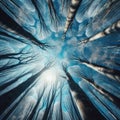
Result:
[{"x": 46, "y": 77}]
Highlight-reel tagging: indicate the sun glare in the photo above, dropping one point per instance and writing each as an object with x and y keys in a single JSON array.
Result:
[{"x": 49, "y": 76}]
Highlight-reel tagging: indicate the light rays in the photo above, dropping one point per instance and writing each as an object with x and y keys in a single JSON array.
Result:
[{"x": 45, "y": 78}]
